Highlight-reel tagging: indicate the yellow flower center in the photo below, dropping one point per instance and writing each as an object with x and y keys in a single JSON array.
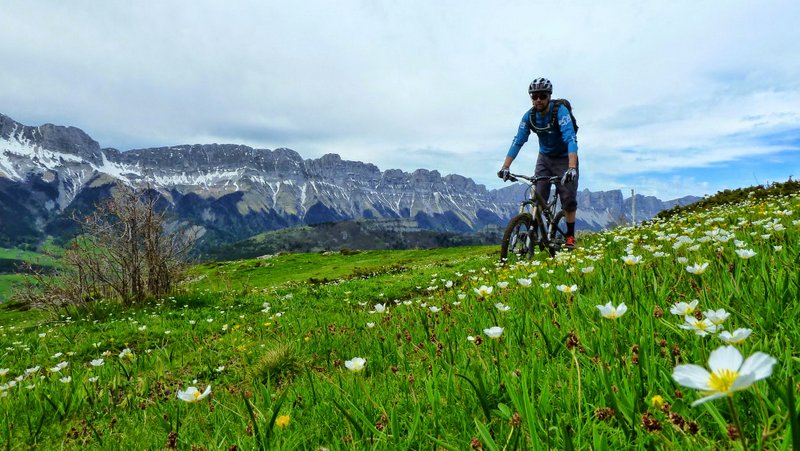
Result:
[
  {"x": 282, "y": 421},
  {"x": 721, "y": 381},
  {"x": 197, "y": 395},
  {"x": 657, "y": 401}
]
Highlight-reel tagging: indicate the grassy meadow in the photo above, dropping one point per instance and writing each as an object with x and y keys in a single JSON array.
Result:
[{"x": 437, "y": 349}]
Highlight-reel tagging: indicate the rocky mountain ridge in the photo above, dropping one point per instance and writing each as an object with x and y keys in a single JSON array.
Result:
[{"x": 235, "y": 191}]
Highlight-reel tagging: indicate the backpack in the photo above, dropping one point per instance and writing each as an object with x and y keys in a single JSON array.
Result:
[{"x": 554, "y": 116}]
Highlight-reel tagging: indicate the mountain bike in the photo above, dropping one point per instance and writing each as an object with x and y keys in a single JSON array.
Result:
[{"x": 538, "y": 224}]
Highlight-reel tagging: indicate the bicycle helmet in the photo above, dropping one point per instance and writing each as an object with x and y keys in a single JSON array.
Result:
[{"x": 540, "y": 84}]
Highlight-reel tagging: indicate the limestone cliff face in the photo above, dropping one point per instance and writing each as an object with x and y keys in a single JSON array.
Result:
[{"x": 235, "y": 191}]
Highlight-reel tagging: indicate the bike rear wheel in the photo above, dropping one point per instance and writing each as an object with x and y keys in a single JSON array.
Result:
[
  {"x": 557, "y": 233},
  {"x": 519, "y": 239}
]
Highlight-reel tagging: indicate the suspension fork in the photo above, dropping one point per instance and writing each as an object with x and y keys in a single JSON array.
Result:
[{"x": 526, "y": 204}]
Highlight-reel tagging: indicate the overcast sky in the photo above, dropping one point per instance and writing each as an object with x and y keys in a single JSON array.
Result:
[{"x": 672, "y": 98}]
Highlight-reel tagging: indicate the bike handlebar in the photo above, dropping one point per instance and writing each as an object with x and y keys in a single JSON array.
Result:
[{"x": 554, "y": 179}]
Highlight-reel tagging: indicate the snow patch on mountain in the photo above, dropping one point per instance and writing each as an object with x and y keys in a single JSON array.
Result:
[
  {"x": 19, "y": 155},
  {"x": 117, "y": 170}
]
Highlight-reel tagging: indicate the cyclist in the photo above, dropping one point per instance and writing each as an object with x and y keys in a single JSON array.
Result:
[{"x": 558, "y": 149}]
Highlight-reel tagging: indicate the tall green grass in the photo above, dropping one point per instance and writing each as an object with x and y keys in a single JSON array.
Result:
[{"x": 272, "y": 338}]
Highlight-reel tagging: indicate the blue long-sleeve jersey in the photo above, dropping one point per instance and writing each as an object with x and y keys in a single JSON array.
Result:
[{"x": 551, "y": 142}]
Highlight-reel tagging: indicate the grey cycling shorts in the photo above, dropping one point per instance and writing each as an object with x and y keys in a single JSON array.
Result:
[{"x": 551, "y": 166}]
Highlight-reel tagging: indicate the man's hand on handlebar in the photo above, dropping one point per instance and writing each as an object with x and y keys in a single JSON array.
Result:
[
  {"x": 504, "y": 173},
  {"x": 570, "y": 176}
]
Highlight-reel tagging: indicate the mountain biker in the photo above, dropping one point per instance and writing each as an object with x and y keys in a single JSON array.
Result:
[{"x": 558, "y": 149}]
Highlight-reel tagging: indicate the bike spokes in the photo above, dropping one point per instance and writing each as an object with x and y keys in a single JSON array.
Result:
[{"x": 520, "y": 244}]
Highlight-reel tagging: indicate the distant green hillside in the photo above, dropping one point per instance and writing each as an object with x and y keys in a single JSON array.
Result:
[
  {"x": 734, "y": 196},
  {"x": 360, "y": 234},
  {"x": 326, "y": 267},
  {"x": 25, "y": 255},
  {"x": 11, "y": 261}
]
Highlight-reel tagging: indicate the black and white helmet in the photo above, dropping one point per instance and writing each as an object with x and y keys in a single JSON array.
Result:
[{"x": 539, "y": 85}]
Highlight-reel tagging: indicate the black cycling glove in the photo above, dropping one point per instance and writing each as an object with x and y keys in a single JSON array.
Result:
[
  {"x": 570, "y": 176},
  {"x": 504, "y": 174}
]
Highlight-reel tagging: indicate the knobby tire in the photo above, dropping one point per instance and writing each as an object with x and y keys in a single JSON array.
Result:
[{"x": 515, "y": 242}]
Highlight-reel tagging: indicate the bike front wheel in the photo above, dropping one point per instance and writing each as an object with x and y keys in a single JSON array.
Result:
[{"x": 518, "y": 239}]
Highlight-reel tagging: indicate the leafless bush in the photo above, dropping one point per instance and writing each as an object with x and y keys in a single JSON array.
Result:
[{"x": 125, "y": 252}]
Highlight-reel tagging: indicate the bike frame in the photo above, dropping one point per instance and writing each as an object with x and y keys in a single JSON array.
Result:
[{"x": 542, "y": 211}]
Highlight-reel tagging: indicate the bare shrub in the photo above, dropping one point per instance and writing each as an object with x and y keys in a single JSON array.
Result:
[{"x": 127, "y": 252}]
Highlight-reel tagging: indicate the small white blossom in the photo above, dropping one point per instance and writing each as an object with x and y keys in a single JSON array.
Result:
[
  {"x": 729, "y": 373},
  {"x": 355, "y": 364},
  {"x": 745, "y": 253},
  {"x": 567, "y": 288},
  {"x": 683, "y": 308},
  {"x": 192, "y": 394},
  {"x": 493, "y": 332},
  {"x": 716, "y": 316},
  {"x": 735, "y": 337},
  {"x": 697, "y": 268},
  {"x": 611, "y": 312},
  {"x": 701, "y": 327},
  {"x": 632, "y": 260}
]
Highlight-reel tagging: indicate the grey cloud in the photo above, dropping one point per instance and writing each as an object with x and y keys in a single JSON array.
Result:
[{"x": 400, "y": 84}]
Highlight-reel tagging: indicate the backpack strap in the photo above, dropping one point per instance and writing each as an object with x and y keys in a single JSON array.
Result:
[
  {"x": 532, "y": 122},
  {"x": 554, "y": 117},
  {"x": 554, "y": 113}
]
